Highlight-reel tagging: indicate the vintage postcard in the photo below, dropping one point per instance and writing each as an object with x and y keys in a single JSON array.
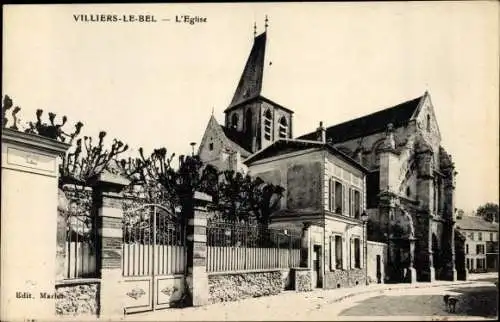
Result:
[{"x": 250, "y": 161}]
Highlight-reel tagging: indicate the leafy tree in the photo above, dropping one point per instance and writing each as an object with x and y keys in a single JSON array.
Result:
[
  {"x": 240, "y": 197},
  {"x": 488, "y": 211}
]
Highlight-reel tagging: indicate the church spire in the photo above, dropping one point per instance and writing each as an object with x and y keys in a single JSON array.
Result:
[{"x": 250, "y": 84}]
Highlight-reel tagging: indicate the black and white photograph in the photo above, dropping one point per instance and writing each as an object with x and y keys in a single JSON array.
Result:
[{"x": 239, "y": 161}]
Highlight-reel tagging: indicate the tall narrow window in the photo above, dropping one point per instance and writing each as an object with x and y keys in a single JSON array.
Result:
[
  {"x": 467, "y": 248},
  {"x": 428, "y": 125},
  {"x": 283, "y": 128},
  {"x": 338, "y": 197},
  {"x": 357, "y": 253},
  {"x": 338, "y": 252},
  {"x": 234, "y": 121},
  {"x": 480, "y": 236},
  {"x": 267, "y": 125}
]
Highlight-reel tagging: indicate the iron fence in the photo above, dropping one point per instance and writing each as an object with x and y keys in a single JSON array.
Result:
[
  {"x": 80, "y": 242},
  {"x": 153, "y": 242},
  {"x": 246, "y": 246}
]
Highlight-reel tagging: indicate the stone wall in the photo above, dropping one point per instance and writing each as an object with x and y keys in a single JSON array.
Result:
[
  {"x": 302, "y": 280},
  {"x": 344, "y": 278},
  {"x": 240, "y": 285},
  {"x": 77, "y": 299},
  {"x": 375, "y": 249}
]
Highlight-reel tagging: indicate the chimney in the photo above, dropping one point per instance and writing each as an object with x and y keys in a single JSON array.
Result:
[{"x": 321, "y": 133}]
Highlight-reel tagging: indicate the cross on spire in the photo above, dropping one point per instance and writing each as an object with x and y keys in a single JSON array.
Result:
[
  {"x": 254, "y": 29},
  {"x": 266, "y": 23}
]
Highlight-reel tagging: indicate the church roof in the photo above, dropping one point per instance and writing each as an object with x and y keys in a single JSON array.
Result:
[
  {"x": 475, "y": 223},
  {"x": 283, "y": 146},
  {"x": 241, "y": 141},
  {"x": 250, "y": 84},
  {"x": 398, "y": 115}
]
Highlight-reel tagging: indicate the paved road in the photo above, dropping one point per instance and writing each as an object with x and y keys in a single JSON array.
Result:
[
  {"x": 375, "y": 302},
  {"x": 476, "y": 301}
]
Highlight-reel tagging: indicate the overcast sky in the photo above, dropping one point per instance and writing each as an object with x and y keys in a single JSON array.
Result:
[{"x": 155, "y": 84}]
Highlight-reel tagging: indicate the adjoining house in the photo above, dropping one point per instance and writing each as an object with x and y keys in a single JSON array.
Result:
[
  {"x": 481, "y": 243},
  {"x": 393, "y": 163}
]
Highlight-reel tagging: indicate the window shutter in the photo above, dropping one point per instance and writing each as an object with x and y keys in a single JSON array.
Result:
[
  {"x": 344, "y": 253},
  {"x": 351, "y": 255},
  {"x": 361, "y": 252},
  {"x": 344, "y": 195},
  {"x": 352, "y": 203},
  {"x": 330, "y": 194},
  {"x": 332, "y": 253}
]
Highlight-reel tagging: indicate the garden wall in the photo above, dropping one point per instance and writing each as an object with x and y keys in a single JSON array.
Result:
[
  {"x": 79, "y": 298},
  {"x": 345, "y": 278},
  {"x": 233, "y": 286}
]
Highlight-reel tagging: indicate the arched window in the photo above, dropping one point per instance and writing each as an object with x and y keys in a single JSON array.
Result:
[
  {"x": 428, "y": 126},
  {"x": 283, "y": 128},
  {"x": 267, "y": 125},
  {"x": 408, "y": 191},
  {"x": 234, "y": 121},
  {"x": 248, "y": 121}
]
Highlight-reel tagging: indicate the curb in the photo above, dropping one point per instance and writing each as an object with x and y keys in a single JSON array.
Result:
[{"x": 411, "y": 286}]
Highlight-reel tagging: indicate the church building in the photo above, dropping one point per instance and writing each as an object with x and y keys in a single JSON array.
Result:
[{"x": 388, "y": 165}]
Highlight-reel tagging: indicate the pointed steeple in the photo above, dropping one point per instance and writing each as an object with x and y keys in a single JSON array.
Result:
[{"x": 250, "y": 84}]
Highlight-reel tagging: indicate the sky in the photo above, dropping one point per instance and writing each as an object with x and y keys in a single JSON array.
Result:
[{"x": 156, "y": 84}]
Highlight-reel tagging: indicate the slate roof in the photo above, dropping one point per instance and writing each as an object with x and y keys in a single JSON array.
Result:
[
  {"x": 475, "y": 223},
  {"x": 250, "y": 84},
  {"x": 240, "y": 140},
  {"x": 398, "y": 115},
  {"x": 289, "y": 145}
]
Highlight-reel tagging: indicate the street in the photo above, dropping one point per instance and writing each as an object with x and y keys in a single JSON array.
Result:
[{"x": 477, "y": 300}]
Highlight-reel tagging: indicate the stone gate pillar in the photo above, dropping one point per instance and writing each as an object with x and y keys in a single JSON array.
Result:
[
  {"x": 196, "y": 241},
  {"x": 30, "y": 166},
  {"x": 305, "y": 249},
  {"x": 108, "y": 214}
]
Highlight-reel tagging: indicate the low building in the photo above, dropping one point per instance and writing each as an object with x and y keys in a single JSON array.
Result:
[
  {"x": 481, "y": 243},
  {"x": 325, "y": 195}
]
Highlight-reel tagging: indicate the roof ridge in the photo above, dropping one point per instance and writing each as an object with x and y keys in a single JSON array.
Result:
[{"x": 379, "y": 111}]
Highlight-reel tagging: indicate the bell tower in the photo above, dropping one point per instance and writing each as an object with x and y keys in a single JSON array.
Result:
[{"x": 255, "y": 119}]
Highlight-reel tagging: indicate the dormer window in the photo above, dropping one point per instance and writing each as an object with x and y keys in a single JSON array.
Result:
[
  {"x": 283, "y": 128},
  {"x": 267, "y": 125}
]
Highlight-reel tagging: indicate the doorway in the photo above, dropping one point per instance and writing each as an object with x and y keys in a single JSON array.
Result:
[
  {"x": 379, "y": 269},
  {"x": 317, "y": 264}
]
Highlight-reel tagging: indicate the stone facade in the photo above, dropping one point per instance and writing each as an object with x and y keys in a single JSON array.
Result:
[
  {"x": 237, "y": 286},
  {"x": 77, "y": 300}
]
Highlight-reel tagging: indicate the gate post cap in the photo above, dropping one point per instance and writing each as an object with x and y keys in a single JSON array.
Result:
[{"x": 202, "y": 198}]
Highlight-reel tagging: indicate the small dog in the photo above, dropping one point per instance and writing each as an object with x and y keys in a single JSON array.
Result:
[{"x": 450, "y": 302}]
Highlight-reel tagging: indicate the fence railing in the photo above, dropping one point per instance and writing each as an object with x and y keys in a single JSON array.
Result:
[
  {"x": 80, "y": 247},
  {"x": 241, "y": 246},
  {"x": 152, "y": 242}
]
